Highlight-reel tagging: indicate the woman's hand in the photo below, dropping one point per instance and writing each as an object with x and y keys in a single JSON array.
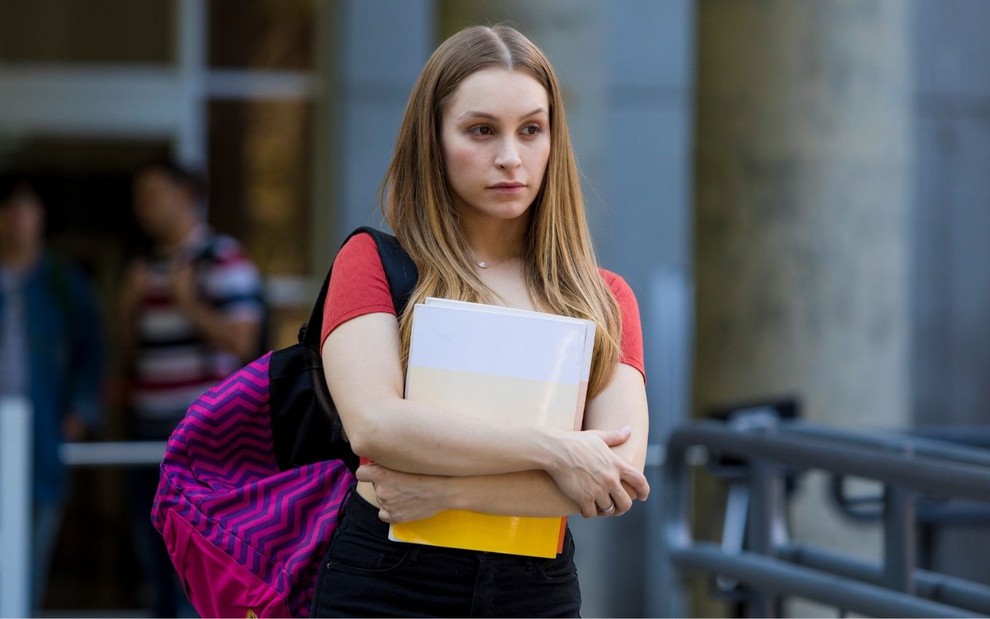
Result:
[
  {"x": 405, "y": 496},
  {"x": 599, "y": 481}
]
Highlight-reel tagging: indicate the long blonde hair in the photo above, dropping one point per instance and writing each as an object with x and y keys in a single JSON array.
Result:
[{"x": 560, "y": 266}]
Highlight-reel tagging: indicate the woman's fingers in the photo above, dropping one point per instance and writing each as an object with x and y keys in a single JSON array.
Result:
[
  {"x": 628, "y": 474},
  {"x": 599, "y": 498},
  {"x": 614, "y": 438},
  {"x": 590, "y": 510},
  {"x": 622, "y": 503},
  {"x": 402, "y": 496},
  {"x": 608, "y": 510},
  {"x": 369, "y": 472},
  {"x": 636, "y": 481},
  {"x": 595, "y": 478}
]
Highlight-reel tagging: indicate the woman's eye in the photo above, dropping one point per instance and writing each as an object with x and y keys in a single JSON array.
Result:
[
  {"x": 482, "y": 130},
  {"x": 532, "y": 130}
]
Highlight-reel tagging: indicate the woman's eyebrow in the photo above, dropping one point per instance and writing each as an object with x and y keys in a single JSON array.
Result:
[{"x": 488, "y": 116}]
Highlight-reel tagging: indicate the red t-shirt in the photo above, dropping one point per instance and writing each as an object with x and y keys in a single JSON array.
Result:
[{"x": 358, "y": 286}]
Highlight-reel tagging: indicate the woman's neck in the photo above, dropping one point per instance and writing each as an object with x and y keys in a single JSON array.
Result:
[{"x": 492, "y": 241}]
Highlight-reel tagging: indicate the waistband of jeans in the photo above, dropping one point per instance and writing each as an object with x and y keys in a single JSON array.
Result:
[{"x": 359, "y": 511}]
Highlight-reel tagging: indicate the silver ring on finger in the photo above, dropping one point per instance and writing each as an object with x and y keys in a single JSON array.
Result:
[{"x": 608, "y": 510}]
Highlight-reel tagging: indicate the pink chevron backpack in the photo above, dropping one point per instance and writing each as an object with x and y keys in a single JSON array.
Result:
[{"x": 255, "y": 474}]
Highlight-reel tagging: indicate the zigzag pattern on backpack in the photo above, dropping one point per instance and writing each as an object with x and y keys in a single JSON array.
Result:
[
  {"x": 254, "y": 477},
  {"x": 221, "y": 485}
]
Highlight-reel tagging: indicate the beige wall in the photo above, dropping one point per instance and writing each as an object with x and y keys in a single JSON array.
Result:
[{"x": 802, "y": 184}]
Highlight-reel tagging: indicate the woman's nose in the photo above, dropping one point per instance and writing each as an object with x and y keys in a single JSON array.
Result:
[{"x": 508, "y": 155}]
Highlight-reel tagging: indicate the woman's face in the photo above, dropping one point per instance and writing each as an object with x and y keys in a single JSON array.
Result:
[{"x": 495, "y": 138}]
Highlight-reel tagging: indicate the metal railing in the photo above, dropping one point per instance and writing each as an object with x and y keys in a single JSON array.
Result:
[
  {"x": 115, "y": 453},
  {"x": 15, "y": 507},
  {"x": 15, "y": 493},
  {"x": 771, "y": 566}
]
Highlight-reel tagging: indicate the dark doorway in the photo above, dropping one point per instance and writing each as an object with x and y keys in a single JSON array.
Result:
[{"x": 86, "y": 187}]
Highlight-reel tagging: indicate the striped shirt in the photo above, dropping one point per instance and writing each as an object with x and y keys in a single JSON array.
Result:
[{"x": 174, "y": 364}]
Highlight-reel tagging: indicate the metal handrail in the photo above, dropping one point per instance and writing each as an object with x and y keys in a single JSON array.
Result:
[
  {"x": 900, "y": 442},
  {"x": 112, "y": 453},
  {"x": 16, "y": 429},
  {"x": 774, "y": 566},
  {"x": 839, "y": 453},
  {"x": 951, "y": 590},
  {"x": 15, "y": 469},
  {"x": 781, "y": 577}
]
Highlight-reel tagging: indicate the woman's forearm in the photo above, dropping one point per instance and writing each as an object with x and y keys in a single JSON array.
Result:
[
  {"x": 417, "y": 438},
  {"x": 360, "y": 360},
  {"x": 364, "y": 375},
  {"x": 405, "y": 497},
  {"x": 526, "y": 493}
]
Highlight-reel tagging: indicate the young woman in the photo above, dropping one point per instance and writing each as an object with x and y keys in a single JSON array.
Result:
[{"x": 483, "y": 193}]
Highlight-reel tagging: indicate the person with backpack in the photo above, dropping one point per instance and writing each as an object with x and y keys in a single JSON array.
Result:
[
  {"x": 51, "y": 353},
  {"x": 191, "y": 313},
  {"x": 484, "y": 195}
]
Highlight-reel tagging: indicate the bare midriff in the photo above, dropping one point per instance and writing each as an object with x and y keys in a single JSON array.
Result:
[{"x": 367, "y": 491}]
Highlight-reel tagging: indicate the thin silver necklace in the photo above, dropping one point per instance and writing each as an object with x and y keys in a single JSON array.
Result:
[{"x": 484, "y": 264}]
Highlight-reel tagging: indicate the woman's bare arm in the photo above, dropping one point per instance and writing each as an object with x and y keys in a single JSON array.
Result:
[
  {"x": 361, "y": 363},
  {"x": 407, "y": 497}
]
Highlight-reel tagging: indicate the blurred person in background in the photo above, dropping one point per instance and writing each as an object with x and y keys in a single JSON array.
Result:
[
  {"x": 191, "y": 313},
  {"x": 51, "y": 352}
]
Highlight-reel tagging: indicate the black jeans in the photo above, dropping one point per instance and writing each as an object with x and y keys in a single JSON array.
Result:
[{"x": 366, "y": 575}]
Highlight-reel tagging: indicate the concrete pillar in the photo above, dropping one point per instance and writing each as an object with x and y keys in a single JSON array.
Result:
[
  {"x": 802, "y": 184},
  {"x": 367, "y": 66}
]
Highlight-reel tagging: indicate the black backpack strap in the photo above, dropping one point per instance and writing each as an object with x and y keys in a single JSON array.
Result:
[
  {"x": 305, "y": 425},
  {"x": 400, "y": 271}
]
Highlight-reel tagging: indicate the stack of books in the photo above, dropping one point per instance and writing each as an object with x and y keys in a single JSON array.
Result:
[{"x": 502, "y": 365}]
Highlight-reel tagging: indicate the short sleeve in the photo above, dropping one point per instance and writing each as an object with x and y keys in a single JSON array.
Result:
[
  {"x": 357, "y": 285},
  {"x": 232, "y": 281},
  {"x": 631, "y": 344}
]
